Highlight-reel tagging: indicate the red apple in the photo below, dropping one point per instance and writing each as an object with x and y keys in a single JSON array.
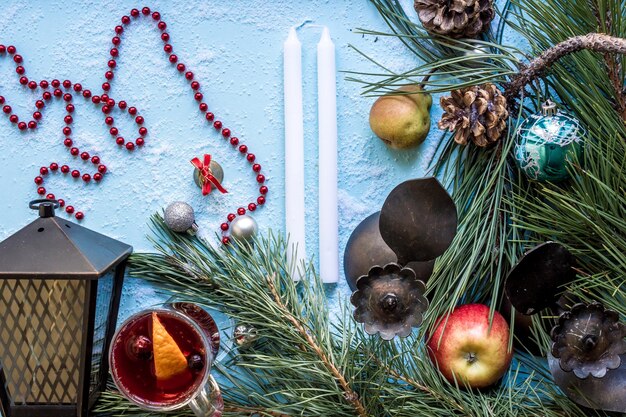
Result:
[{"x": 464, "y": 346}]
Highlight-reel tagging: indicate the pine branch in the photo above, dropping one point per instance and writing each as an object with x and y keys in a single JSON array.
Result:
[
  {"x": 596, "y": 42},
  {"x": 349, "y": 393},
  {"x": 611, "y": 62}
]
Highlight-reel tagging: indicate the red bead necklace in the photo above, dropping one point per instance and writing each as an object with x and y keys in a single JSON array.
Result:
[{"x": 65, "y": 90}]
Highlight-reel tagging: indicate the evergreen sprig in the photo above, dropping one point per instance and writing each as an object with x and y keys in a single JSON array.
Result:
[{"x": 306, "y": 365}]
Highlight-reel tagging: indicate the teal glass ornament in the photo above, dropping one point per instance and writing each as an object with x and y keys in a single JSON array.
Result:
[{"x": 547, "y": 143}]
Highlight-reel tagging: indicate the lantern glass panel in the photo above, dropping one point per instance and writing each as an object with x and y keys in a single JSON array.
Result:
[
  {"x": 103, "y": 305},
  {"x": 41, "y": 324}
]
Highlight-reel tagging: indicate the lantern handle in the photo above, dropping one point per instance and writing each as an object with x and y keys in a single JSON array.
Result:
[{"x": 46, "y": 207}]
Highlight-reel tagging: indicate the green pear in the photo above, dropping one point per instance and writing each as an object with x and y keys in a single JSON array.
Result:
[{"x": 402, "y": 120}]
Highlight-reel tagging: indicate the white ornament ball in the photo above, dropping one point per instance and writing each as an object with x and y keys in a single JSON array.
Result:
[{"x": 243, "y": 228}]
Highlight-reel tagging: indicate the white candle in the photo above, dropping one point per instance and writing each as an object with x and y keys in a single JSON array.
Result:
[
  {"x": 327, "y": 119},
  {"x": 294, "y": 151}
]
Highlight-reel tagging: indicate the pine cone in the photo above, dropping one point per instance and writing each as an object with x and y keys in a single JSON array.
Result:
[
  {"x": 455, "y": 18},
  {"x": 477, "y": 113}
]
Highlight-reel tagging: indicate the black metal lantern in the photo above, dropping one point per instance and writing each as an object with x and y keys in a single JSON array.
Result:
[{"x": 60, "y": 287}]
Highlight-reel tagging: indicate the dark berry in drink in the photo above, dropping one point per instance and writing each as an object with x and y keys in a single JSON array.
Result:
[
  {"x": 140, "y": 347},
  {"x": 195, "y": 362}
]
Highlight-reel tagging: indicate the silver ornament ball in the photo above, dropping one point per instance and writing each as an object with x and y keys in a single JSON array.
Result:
[
  {"x": 179, "y": 217},
  {"x": 245, "y": 336},
  {"x": 243, "y": 228}
]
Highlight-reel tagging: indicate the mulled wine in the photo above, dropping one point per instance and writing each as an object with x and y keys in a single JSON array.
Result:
[{"x": 159, "y": 359}]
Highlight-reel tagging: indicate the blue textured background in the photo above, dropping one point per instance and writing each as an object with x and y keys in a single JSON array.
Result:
[{"x": 235, "y": 50}]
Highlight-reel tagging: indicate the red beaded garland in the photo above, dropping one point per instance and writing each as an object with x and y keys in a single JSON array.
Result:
[{"x": 108, "y": 105}]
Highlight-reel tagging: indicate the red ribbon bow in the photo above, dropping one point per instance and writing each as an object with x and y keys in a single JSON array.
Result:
[{"x": 206, "y": 175}]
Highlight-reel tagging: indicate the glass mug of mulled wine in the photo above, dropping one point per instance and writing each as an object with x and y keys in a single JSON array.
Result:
[{"x": 160, "y": 360}]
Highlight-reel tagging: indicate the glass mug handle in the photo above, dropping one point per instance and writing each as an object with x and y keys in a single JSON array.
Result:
[{"x": 208, "y": 402}]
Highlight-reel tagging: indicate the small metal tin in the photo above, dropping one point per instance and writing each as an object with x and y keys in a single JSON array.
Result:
[
  {"x": 588, "y": 340},
  {"x": 390, "y": 301},
  {"x": 366, "y": 248},
  {"x": 418, "y": 220},
  {"x": 538, "y": 277}
]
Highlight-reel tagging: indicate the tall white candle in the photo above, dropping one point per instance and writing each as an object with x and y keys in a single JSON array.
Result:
[
  {"x": 294, "y": 150},
  {"x": 327, "y": 119}
]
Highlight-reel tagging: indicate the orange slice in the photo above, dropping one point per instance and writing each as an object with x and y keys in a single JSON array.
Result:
[{"x": 169, "y": 361}]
